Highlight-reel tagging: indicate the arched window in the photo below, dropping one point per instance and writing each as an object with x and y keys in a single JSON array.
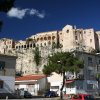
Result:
[
  {"x": 24, "y": 46},
  {"x": 45, "y": 38},
  {"x": 67, "y": 31},
  {"x": 16, "y": 47},
  {"x": 53, "y": 37},
  {"x": 34, "y": 45},
  {"x": 30, "y": 45},
  {"x": 37, "y": 39},
  {"x": 41, "y": 38},
  {"x": 41, "y": 44},
  {"x": 49, "y": 37},
  {"x": 44, "y": 44}
]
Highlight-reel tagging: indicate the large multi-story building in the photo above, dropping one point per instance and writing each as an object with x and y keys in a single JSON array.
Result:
[{"x": 68, "y": 39}]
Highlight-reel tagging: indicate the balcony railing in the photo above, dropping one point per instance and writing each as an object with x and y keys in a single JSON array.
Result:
[{"x": 78, "y": 77}]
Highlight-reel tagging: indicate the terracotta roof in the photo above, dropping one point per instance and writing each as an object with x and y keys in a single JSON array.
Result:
[{"x": 30, "y": 77}]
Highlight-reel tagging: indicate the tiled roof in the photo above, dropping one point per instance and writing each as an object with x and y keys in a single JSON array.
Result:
[{"x": 30, "y": 77}]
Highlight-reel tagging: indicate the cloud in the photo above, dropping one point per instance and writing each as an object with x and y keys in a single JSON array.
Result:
[
  {"x": 16, "y": 12},
  {"x": 36, "y": 12},
  {"x": 21, "y": 13}
]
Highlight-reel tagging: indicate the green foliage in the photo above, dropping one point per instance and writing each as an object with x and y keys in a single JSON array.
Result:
[
  {"x": 29, "y": 40},
  {"x": 6, "y": 5},
  {"x": 56, "y": 45},
  {"x": 98, "y": 75},
  {"x": 37, "y": 56},
  {"x": 62, "y": 62}
]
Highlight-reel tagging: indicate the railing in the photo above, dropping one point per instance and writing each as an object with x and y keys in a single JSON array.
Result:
[{"x": 79, "y": 77}]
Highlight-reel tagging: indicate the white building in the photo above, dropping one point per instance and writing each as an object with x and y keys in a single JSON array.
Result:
[
  {"x": 7, "y": 73},
  {"x": 55, "y": 81},
  {"x": 31, "y": 83}
]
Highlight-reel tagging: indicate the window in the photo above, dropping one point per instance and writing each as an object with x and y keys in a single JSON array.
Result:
[
  {"x": 79, "y": 85},
  {"x": 49, "y": 43},
  {"x": 67, "y": 31},
  {"x": 37, "y": 39},
  {"x": 41, "y": 44},
  {"x": 30, "y": 45},
  {"x": 41, "y": 38},
  {"x": 54, "y": 87},
  {"x": 99, "y": 62},
  {"x": 45, "y": 38},
  {"x": 1, "y": 84},
  {"x": 89, "y": 86},
  {"x": 53, "y": 37},
  {"x": 24, "y": 46},
  {"x": 34, "y": 45},
  {"x": 76, "y": 38},
  {"x": 90, "y": 40},
  {"x": 16, "y": 47},
  {"x": 2, "y": 65},
  {"x": 44, "y": 44},
  {"x": 90, "y": 61},
  {"x": 49, "y": 38}
]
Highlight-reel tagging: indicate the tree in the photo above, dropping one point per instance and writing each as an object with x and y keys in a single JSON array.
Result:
[
  {"x": 5, "y": 6},
  {"x": 37, "y": 58},
  {"x": 61, "y": 62}
]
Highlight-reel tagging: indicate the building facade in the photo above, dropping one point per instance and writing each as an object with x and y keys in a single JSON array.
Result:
[
  {"x": 7, "y": 73},
  {"x": 31, "y": 83},
  {"x": 69, "y": 38}
]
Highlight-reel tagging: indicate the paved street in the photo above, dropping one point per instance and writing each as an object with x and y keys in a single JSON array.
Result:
[
  {"x": 57, "y": 98},
  {"x": 42, "y": 98}
]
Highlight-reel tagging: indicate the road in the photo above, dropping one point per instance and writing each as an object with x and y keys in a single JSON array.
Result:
[{"x": 35, "y": 99}]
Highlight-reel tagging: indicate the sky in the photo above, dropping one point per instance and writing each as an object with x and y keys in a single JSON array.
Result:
[{"x": 29, "y": 17}]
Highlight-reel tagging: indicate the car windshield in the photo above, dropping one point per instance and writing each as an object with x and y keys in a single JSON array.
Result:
[{"x": 89, "y": 97}]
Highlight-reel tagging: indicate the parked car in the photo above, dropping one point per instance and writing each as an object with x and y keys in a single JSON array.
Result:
[
  {"x": 50, "y": 94},
  {"x": 27, "y": 94},
  {"x": 82, "y": 97}
]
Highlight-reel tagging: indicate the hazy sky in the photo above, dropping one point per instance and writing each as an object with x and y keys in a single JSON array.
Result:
[{"x": 29, "y": 17}]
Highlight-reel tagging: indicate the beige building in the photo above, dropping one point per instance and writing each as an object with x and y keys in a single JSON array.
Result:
[{"x": 69, "y": 38}]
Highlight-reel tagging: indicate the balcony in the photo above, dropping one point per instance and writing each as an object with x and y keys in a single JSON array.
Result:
[{"x": 78, "y": 77}]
